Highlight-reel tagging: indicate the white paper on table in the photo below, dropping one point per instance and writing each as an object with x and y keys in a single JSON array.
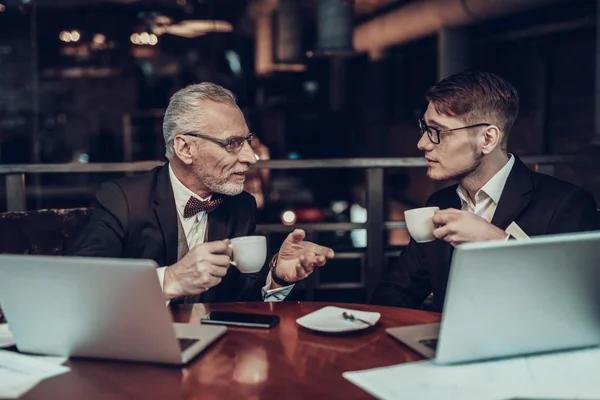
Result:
[
  {"x": 56, "y": 360},
  {"x": 6, "y": 336},
  {"x": 19, "y": 372},
  {"x": 571, "y": 374}
]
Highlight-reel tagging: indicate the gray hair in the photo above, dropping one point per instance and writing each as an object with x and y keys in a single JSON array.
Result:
[{"x": 184, "y": 112}]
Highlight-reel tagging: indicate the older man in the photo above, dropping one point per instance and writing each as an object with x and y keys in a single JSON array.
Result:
[{"x": 182, "y": 214}]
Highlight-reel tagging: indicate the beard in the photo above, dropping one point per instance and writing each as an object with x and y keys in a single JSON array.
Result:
[
  {"x": 224, "y": 187},
  {"x": 460, "y": 172},
  {"x": 470, "y": 170},
  {"x": 220, "y": 185}
]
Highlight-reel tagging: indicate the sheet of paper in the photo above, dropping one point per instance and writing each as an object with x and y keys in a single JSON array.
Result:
[
  {"x": 19, "y": 372},
  {"x": 515, "y": 231},
  {"x": 6, "y": 337},
  {"x": 559, "y": 375},
  {"x": 56, "y": 360}
]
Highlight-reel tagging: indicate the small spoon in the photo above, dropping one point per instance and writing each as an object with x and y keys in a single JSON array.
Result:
[{"x": 350, "y": 317}]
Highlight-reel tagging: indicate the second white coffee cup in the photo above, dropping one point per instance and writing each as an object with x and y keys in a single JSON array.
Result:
[
  {"x": 419, "y": 222},
  {"x": 249, "y": 253}
]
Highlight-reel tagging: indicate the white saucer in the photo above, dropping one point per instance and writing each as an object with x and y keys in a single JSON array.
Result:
[{"x": 330, "y": 319}]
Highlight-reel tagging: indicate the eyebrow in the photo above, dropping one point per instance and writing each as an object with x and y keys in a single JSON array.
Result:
[
  {"x": 437, "y": 124},
  {"x": 245, "y": 136}
]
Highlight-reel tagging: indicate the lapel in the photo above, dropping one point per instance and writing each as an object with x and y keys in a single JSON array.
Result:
[
  {"x": 515, "y": 196},
  {"x": 166, "y": 213},
  {"x": 452, "y": 201}
]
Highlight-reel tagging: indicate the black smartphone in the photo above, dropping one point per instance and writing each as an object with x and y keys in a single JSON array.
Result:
[{"x": 241, "y": 319}]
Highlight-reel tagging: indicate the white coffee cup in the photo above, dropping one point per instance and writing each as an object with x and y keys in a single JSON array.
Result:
[
  {"x": 249, "y": 253},
  {"x": 419, "y": 222}
]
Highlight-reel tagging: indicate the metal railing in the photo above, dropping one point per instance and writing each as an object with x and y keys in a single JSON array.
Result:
[{"x": 375, "y": 225}]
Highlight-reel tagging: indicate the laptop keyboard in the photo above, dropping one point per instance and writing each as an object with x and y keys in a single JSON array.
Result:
[
  {"x": 431, "y": 343},
  {"x": 184, "y": 344}
]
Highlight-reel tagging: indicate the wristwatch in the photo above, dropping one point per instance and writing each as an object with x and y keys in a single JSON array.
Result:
[{"x": 274, "y": 276}]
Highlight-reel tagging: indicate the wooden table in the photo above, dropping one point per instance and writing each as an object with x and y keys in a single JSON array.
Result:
[{"x": 286, "y": 362}]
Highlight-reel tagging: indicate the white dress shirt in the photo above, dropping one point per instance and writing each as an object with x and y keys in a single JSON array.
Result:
[
  {"x": 195, "y": 231},
  {"x": 487, "y": 198}
]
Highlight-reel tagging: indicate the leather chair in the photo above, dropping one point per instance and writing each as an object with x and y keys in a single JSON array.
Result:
[{"x": 43, "y": 232}]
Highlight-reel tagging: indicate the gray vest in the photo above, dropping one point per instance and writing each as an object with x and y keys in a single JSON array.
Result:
[{"x": 182, "y": 246}]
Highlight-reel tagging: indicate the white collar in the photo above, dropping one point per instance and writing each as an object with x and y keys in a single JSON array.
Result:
[
  {"x": 181, "y": 193},
  {"x": 494, "y": 187}
]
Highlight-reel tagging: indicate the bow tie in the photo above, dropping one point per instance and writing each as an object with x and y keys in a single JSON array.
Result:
[{"x": 194, "y": 206}]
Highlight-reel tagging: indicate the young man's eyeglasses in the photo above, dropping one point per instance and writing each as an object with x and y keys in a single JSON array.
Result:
[
  {"x": 434, "y": 133},
  {"x": 231, "y": 144}
]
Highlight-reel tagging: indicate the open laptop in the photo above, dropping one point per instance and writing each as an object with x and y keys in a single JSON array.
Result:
[
  {"x": 95, "y": 307},
  {"x": 513, "y": 298}
]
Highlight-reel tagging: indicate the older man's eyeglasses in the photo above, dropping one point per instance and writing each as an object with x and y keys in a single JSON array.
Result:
[
  {"x": 231, "y": 144},
  {"x": 434, "y": 133}
]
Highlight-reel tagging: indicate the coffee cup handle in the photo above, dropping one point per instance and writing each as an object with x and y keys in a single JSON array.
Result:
[{"x": 231, "y": 262}]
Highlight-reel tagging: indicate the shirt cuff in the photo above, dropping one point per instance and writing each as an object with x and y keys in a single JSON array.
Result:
[
  {"x": 278, "y": 294},
  {"x": 507, "y": 237},
  {"x": 161, "y": 279}
]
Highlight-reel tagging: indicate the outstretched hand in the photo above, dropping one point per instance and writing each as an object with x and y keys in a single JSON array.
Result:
[{"x": 298, "y": 258}]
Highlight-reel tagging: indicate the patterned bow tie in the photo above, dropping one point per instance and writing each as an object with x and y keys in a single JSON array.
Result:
[{"x": 194, "y": 206}]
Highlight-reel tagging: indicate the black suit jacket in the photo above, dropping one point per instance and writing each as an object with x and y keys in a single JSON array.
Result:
[
  {"x": 136, "y": 217},
  {"x": 538, "y": 203}
]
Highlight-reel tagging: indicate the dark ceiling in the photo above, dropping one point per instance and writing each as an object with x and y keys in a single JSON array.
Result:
[{"x": 230, "y": 10}]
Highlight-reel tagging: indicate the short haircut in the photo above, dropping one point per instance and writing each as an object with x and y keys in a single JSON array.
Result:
[
  {"x": 477, "y": 97},
  {"x": 184, "y": 112}
]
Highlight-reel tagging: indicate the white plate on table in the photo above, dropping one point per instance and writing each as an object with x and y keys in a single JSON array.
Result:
[{"x": 331, "y": 319}]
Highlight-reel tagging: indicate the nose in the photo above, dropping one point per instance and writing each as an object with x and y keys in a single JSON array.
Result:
[
  {"x": 246, "y": 155},
  {"x": 425, "y": 143}
]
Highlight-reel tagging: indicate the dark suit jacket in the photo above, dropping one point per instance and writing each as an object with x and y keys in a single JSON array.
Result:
[
  {"x": 135, "y": 217},
  {"x": 538, "y": 203}
]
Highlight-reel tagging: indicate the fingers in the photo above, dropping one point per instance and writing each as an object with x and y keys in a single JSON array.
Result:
[
  {"x": 318, "y": 260},
  {"x": 317, "y": 254},
  {"x": 218, "y": 260},
  {"x": 324, "y": 252},
  {"x": 216, "y": 247},
  {"x": 448, "y": 234},
  {"x": 207, "y": 283},
  {"x": 306, "y": 265},
  {"x": 217, "y": 265},
  {"x": 297, "y": 236},
  {"x": 445, "y": 216},
  {"x": 319, "y": 250},
  {"x": 453, "y": 240},
  {"x": 301, "y": 273},
  {"x": 308, "y": 262},
  {"x": 219, "y": 271},
  {"x": 443, "y": 231},
  {"x": 229, "y": 251}
]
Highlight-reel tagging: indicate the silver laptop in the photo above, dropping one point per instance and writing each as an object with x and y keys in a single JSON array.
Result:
[
  {"x": 513, "y": 298},
  {"x": 95, "y": 307}
]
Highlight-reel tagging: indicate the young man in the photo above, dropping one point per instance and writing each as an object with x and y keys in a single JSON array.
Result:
[
  {"x": 463, "y": 135},
  {"x": 182, "y": 214}
]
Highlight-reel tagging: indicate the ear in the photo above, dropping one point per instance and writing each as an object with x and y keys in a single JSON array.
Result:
[
  {"x": 182, "y": 149},
  {"x": 490, "y": 139}
]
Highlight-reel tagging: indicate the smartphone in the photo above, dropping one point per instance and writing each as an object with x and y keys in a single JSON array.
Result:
[{"x": 241, "y": 319}]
